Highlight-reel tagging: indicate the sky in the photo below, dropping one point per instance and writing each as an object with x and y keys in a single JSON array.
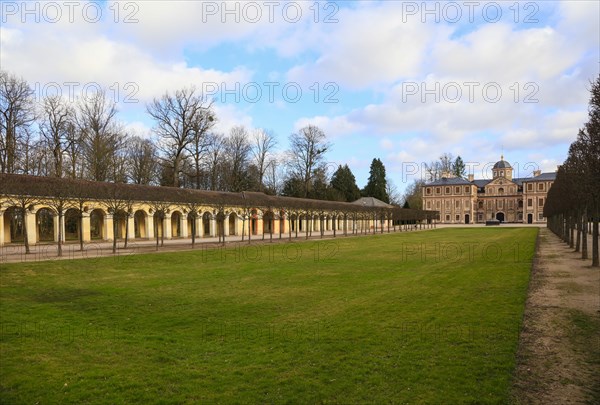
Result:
[{"x": 402, "y": 81}]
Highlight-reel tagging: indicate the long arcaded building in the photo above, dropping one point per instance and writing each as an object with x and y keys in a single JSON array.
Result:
[{"x": 44, "y": 209}]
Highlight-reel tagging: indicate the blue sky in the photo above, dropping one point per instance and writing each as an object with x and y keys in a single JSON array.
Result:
[{"x": 399, "y": 80}]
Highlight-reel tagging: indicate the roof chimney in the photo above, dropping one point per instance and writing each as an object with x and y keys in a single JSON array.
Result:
[
  {"x": 471, "y": 178},
  {"x": 536, "y": 173}
]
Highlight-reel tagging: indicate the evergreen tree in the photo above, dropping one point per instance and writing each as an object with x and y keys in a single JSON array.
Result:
[
  {"x": 343, "y": 185},
  {"x": 459, "y": 168},
  {"x": 376, "y": 186}
]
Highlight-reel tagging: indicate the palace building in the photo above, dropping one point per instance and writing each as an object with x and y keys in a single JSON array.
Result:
[{"x": 503, "y": 198}]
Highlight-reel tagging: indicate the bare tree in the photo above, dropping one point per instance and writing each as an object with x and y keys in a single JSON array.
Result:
[
  {"x": 413, "y": 195},
  {"x": 273, "y": 177},
  {"x": 263, "y": 143},
  {"x": 102, "y": 136},
  {"x": 55, "y": 126},
  {"x": 306, "y": 154},
  {"x": 118, "y": 201},
  {"x": 17, "y": 113},
  {"x": 74, "y": 152},
  {"x": 142, "y": 156},
  {"x": 443, "y": 166},
  {"x": 216, "y": 150},
  {"x": 237, "y": 152},
  {"x": 392, "y": 192},
  {"x": 59, "y": 201},
  {"x": 178, "y": 118},
  {"x": 198, "y": 148}
]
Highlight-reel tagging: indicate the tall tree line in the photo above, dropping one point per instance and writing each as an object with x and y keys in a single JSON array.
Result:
[{"x": 574, "y": 200}]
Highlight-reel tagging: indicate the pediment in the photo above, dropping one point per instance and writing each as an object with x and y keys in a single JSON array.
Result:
[{"x": 500, "y": 181}]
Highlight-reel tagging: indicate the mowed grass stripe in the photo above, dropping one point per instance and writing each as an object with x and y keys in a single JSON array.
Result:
[{"x": 409, "y": 317}]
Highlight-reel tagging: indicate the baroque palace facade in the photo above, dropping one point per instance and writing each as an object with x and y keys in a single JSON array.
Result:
[
  {"x": 36, "y": 208},
  {"x": 503, "y": 198}
]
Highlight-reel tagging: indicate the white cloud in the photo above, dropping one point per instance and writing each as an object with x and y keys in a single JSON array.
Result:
[
  {"x": 127, "y": 71},
  {"x": 334, "y": 127},
  {"x": 357, "y": 54}
]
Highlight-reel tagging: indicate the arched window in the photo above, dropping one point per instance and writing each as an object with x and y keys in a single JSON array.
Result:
[
  {"x": 176, "y": 224},
  {"x": 97, "y": 224},
  {"x": 45, "y": 225},
  {"x": 13, "y": 217},
  {"x": 72, "y": 224},
  {"x": 139, "y": 224}
]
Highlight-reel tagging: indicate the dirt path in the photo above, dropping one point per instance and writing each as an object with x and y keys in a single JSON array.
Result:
[{"x": 559, "y": 354}]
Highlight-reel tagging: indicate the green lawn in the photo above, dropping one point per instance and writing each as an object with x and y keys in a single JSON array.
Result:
[{"x": 428, "y": 317}]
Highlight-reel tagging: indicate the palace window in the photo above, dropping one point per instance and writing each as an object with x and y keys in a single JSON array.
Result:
[
  {"x": 448, "y": 218},
  {"x": 447, "y": 204},
  {"x": 529, "y": 186},
  {"x": 438, "y": 190},
  {"x": 500, "y": 204},
  {"x": 540, "y": 186},
  {"x": 530, "y": 202},
  {"x": 541, "y": 216},
  {"x": 428, "y": 204},
  {"x": 457, "y": 190},
  {"x": 457, "y": 204},
  {"x": 500, "y": 190},
  {"x": 541, "y": 202},
  {"x": 428, "y": 191},
  {"x": 447, "y": 190},
  {"x": 458, "y": 218},
  {"x": 437, "y": 205},
  {"x": 466, "y": 189}
]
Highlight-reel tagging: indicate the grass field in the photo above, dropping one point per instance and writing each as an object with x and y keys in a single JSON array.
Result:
[{"x": 428, "y": 317}]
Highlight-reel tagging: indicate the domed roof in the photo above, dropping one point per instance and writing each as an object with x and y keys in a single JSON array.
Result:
[{"x": 502, "y": 164}]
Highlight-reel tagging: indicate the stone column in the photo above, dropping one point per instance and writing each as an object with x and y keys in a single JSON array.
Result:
[
  {"x": 184, "y": 226},
  {"x": 85, "y": 227},
  {"x": 2, "y": 230},
  {"x": 55, "y": 227},
  {"x": 168, "y": 231},
  {"x": 213, "y": 226},
  {"x": 31, "y": 227},
  {"x": 108, "y": 227},
  {"x": 150, "y": 226},
  {"x": 131, "y": 227},
  {"x": 198, "y": 225},
  {"x": 226, "y": 225}
]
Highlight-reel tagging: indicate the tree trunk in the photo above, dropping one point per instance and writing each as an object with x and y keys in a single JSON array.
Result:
[
  {"x": 126, "y": 231},
  {"x": 80, "y": 230},
  {"x": 156, "y": 231},
  {"x": 584, "y": 236},
  {"x": 114, "y": 248},
  {"x": 25, "y": 233},
  {"x": 60, "y": 218},
  {"x": 243, "y": 227},
  {"x": 193, "y": 231},
  {"x": 579, "y": 225},
  {"x": 595, "y": 258}
]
